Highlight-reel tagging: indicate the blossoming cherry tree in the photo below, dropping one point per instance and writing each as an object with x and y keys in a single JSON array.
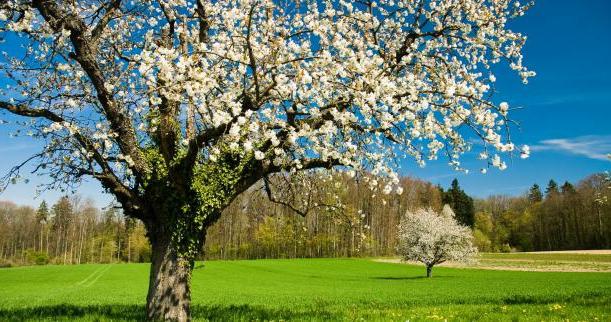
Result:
[
  {"x": 434, "y": 238},
  {"x": 178, "y": 106}
]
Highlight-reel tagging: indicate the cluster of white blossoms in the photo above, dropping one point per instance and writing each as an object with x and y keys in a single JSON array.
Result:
[
  {"x": 358, "y": 84},
  {"x": 431, "y": 238},
  {"x": 602, "y": 197}
]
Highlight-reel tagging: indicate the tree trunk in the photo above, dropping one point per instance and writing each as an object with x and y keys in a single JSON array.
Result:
[
  {"x": 169, "y": 294},
  {"x": 41, "y": 233},
  {"x": 429, "y": 271}
]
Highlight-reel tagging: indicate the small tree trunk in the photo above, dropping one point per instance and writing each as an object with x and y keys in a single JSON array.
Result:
[
  {"x": 429, "y": 270},
  {"x": 169, "y": 294},
  {"x": 41, "y": 232}
]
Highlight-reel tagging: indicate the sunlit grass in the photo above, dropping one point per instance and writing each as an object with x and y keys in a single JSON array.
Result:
[{"x": 309, "y": 289}]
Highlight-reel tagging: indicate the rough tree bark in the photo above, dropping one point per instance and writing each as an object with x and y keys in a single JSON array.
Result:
[
  {"x": 169, "y": 294},
  {"x": 429, "y": 270}
]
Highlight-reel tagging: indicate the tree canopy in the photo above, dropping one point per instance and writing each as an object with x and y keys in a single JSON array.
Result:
[
  {"x": 115, "y": 88},
  {"x": 178, "y": 106},
  {"x": 434, "y": 238}
]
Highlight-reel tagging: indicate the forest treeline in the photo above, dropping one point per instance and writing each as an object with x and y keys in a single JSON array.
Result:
[
  {"x": 344, "y": 218},
  {"x": 557, "y": 217},
  {"x": 71, "y": 231}
]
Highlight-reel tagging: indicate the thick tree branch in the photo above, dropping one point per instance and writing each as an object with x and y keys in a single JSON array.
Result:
[
  {"x": 107, "y": 177},
  {"x": 110, "y": 9},
  {"x": 204, "y": 24},
  {"x": 84, "y": 54}
]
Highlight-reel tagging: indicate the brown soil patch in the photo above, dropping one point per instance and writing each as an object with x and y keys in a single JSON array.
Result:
[
  {"x": 585, "y": 251},
  {"x": 524, "y": 265}
]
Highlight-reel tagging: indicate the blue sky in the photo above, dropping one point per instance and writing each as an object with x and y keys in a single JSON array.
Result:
[{"x": 566, "y": 114}]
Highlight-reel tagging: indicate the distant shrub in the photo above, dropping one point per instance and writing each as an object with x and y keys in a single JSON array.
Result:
[
  {"x": 42, "y": 259},
  {"x": 5, "y": 264},
  {"x": 38, "y": 258},
  {"x": 505, "y": 248}
]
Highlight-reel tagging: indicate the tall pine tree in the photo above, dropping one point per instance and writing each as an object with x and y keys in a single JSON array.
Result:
[
  {"x": 42, "y": 217},
  {"x": 42, "y": 214},
  {"x": 552, "y": 189},
  {"x": 534, "y": 194},
  {"x": 461, "y": 203}
]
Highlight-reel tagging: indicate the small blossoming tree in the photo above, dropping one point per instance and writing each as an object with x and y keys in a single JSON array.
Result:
[
  {"x": 432, "y": 238},
  {"x": 178, "y": 106},
  {"x": 601, "y": 196}
]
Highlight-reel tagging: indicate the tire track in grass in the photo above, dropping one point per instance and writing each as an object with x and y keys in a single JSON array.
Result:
[
  {"x": 106, "y": 269},
  {"x": 71, "y": 288},
  {"x": 86, "y": 279}
]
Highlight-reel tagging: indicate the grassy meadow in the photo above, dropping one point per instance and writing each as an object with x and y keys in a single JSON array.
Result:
[
  {"x": 311, "y": 289},
  {"x": 549, "y": 261}
]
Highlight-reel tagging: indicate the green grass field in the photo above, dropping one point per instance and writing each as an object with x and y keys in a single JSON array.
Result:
[{"x": 310, "y": 289}]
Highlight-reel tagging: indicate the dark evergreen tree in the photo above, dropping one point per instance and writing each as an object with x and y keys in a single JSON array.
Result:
[
  {"x": 552, "y": 189},
  {"x": 567, "y": 188},
  {"x": 42, "y": 214},
  {"x": 534, "y": 194},
  {"x": 42, "y": 217},
  {"x": 461, "y": 203}
]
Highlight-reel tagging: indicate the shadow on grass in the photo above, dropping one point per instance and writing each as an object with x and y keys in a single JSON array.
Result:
[
  {"x": 399, "y": 278},
  {"x": 68, "y": 312},
  {"x": 585, "y": 299}
]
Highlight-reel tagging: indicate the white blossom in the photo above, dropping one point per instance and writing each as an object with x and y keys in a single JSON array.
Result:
[
  {"x": 431, "y": 238},
  {"x": 331, "y": 81},
  {"x": 525, "y": 153},
  {"x": 259, "y": 155}
]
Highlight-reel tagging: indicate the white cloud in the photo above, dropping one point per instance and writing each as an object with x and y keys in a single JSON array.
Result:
[{"x": 596, "y": 147}]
